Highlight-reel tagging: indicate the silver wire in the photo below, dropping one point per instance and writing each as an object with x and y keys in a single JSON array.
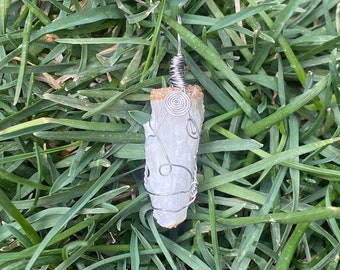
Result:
[
  {"x": 177, "y": 64},
  {"x": 177, "y": 103}
]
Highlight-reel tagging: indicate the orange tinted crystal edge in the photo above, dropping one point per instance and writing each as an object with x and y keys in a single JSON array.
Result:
[{"x": 193, "y": 91}]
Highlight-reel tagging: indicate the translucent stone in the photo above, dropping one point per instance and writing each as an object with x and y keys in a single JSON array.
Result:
[{"x": 172, "y": 140}]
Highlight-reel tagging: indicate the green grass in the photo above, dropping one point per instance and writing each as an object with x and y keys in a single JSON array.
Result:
[{"x": 75, "y": 77}]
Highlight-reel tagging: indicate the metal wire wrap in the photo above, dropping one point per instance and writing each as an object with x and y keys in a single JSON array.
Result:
[
  {"x": 177, "y": 65},
  {"x": 177, "y": 72}
]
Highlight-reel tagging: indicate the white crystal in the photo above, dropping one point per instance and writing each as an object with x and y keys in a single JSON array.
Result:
[{"x": 172, "y": 140}]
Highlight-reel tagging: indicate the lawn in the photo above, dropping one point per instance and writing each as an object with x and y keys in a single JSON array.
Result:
[{"x": 75, "y": 83}]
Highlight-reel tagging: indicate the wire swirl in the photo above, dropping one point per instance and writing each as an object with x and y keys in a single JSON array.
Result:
[{"x": 177, "y": 103}]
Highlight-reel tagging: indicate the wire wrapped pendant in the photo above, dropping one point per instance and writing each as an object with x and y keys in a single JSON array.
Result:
[
  {"x": 172, "y": 140},
  {"x": 171, "y": 144}
]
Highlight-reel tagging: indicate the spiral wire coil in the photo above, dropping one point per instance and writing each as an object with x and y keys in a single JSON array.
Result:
[{"x": 177, "y": 65}]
